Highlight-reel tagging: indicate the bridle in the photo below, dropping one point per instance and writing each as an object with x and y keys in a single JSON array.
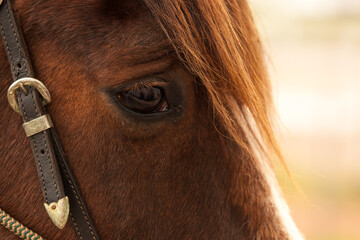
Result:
[{"x": 28, "y": 97}]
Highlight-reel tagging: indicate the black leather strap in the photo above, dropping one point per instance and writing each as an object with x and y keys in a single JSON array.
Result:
[
  {"x": 31, "y": 107},
  {"x": 46, "y": 147},
  {"x": 79, "y": 215}
]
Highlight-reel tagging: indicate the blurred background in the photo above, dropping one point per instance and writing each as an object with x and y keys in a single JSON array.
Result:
[{"x": 314, "y": 61}]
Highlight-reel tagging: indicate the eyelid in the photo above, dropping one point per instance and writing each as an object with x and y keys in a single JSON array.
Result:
[
  {"x": 148, "y": 84},
  {"x": 152, "y": 80}
]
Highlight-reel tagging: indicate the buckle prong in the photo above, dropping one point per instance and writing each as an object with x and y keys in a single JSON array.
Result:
[
  {"x": 39, "y": 86},
  {"x": 23, "y": 88}
]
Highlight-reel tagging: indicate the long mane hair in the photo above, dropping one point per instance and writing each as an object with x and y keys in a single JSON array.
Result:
[{"x": 218, "y": 42}]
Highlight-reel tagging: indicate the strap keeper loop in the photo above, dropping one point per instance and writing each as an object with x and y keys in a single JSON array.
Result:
[{"x": 37, "y": 125}]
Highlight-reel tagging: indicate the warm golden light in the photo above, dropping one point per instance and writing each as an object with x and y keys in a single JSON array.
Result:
[{"x": 314, "y": 47}]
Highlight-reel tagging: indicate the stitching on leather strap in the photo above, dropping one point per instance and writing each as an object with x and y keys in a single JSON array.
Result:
[
  {"x": 50, "y": 163},
  {"x": 76, "y": 227},
  {"x": 17, "y": 41},
  {"x": 78, "y": 200},
  {"x": 36, "y": 110},
  {"x": 68, "y": 179},
  {"x": 7, "y": 46},
  {"x": 19, "y": 72},
  {"x": 41, "y": 172},
  {"x": 22, "y": 104}
]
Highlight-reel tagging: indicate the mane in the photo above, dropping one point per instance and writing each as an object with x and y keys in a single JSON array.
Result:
[
  {"x": 218, "y": 42},
  {"x": 223, "y": 184}
]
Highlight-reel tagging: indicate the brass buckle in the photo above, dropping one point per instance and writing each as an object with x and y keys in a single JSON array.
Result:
[{"x": 11, "y": 94}]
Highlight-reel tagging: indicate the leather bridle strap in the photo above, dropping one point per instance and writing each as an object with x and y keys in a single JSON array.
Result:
[{"x": 28, "y": 97}]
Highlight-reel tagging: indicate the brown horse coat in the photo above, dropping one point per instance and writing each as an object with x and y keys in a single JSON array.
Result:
[{"x": 176, "y": 177}]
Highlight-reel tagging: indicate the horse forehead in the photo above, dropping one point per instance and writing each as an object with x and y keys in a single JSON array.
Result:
[{"x": 124, "y": 29}]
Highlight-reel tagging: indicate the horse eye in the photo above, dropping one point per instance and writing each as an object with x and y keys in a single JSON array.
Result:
[{"x": 144, "y": 99}]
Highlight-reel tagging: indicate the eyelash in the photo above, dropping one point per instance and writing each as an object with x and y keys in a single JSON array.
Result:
[
  {"x": 144, "y": 97},
  {"x": 148, "y": 84}
]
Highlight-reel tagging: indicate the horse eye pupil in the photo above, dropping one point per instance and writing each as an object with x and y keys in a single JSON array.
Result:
[
  {"x": 144, "y": 99},
  {"x": 146, "y": 93}
]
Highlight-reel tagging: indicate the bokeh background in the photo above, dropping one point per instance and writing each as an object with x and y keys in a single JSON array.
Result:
[{"x": 314, "y": 62}]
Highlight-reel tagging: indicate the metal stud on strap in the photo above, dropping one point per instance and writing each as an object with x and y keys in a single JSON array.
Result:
[{"x": 11, "y": 94}]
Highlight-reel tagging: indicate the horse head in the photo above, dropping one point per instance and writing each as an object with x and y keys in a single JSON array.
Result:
[{"x": 163, "y": 109}]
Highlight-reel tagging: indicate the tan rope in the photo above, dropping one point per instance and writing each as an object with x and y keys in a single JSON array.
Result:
[{"x": 17, "y": 228}]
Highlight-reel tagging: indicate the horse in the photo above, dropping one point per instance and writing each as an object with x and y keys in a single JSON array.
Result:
[{"x": 164, "y": 111}]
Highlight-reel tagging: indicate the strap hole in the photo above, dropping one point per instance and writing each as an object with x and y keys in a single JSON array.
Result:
[
  {"x": 19, "y": 65},
  {"x": 42, "y": 151}
]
